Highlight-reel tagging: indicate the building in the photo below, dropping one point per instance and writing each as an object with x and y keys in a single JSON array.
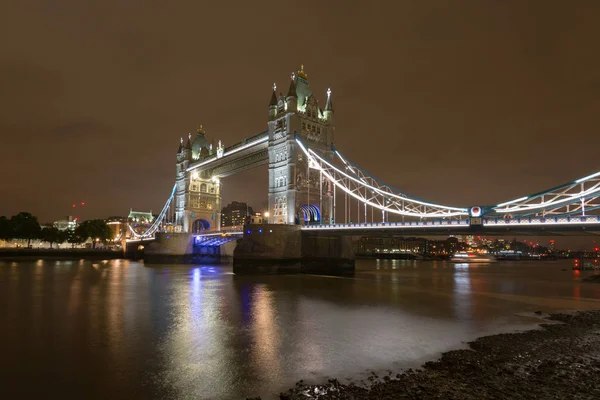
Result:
[
  {"x": 297, "y": 194},
  {"x": 69, "y": 223},
  {"x": 234, "y": 213},
  {"x": 140, "y": 221},
  {"x": 118, "y": 226}
]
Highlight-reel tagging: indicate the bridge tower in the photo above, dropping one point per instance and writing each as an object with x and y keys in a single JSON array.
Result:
[
  {"x": 298, "y": 193},
  {"x": 198, "y": 193}
]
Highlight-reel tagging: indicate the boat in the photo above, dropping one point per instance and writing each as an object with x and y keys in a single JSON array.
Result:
[
  {"x": 586, "y": 265},
  {"x": 468, "y": 257}
]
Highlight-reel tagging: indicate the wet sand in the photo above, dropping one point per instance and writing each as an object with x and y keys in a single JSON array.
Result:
[{"x": 560, "y": 360}]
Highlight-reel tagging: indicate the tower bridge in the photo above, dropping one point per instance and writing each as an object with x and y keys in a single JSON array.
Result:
[{"x": 315, "y": 188}]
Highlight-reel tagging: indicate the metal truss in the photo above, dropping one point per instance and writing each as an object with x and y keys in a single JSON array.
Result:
[
  {"x": 370, "y": 191},
  {"x": 157, "y": 222},
  {"x": 576, "y": 198}
]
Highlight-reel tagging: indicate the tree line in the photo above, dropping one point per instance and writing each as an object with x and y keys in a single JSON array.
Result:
[{"x": 25, "y": 226}]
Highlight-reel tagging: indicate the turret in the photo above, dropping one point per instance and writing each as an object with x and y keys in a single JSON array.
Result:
[
  {"x": 184, "y": 153},
  {"x": 273, "y": 103},
  {"x": 200, "y": 143},
  {"x": 291, "y": 100},
  {"x": 303, "y": 91},
  {"x": 328, "y": 112}
]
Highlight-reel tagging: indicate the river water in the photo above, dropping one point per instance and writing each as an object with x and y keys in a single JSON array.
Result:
[{"x": 117, "y": 329}]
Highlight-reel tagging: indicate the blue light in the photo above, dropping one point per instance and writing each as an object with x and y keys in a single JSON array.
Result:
[
  {"x": 248, "y": 231},
  {"x": 260, "y": 231}
]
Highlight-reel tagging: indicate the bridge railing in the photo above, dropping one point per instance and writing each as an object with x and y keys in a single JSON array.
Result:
[
  {"x": 392, "y": 225},
  {"x": 553, "y": 220},
  {"x": 246, "y": 141}
]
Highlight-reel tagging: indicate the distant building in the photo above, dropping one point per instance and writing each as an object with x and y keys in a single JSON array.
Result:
[
  {"x": 69, "y": 223},
  {"x": 118, "y": 225},
  {"x": 234, "y": 213},
  {"x": 140, "y": 217},
  {"x": 257, "y": 218},
  {"x": 140, "y": 221}
]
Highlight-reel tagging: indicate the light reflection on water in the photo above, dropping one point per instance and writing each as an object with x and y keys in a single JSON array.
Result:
[{"x": 119, "y": 329}]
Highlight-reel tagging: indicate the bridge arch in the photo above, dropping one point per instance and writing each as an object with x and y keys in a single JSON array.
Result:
[
  {"x": 200, "y": 225},
  {"x": 310, "y": 213}
]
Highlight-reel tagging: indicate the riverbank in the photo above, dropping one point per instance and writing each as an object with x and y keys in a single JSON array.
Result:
[
  {"x": 59, "y": 254},
  {"x": 559, "y": 360}
]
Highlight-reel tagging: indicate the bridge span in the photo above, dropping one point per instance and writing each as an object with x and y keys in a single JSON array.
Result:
[
  {"x": 313, "y": 189},
  {"x": 559, "y": 225}
]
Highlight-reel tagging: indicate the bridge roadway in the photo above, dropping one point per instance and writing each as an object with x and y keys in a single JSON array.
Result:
[
  {"x": 537, "y": 226},
  {"x": 526, "y": 226}
]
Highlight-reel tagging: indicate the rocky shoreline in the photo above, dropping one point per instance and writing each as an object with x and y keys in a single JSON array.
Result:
[{"x": 561, "y": 360}]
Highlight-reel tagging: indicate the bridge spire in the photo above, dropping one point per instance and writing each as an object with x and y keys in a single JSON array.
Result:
[
  {"x": 273, "y": 103},
  {"x": 292, "y": 89},
  {"x": 302, "y": 74},
  {"x": 329, "y": 105},
  {"x": 328, "y": 112},
  {"x": 180, "y": 145}
]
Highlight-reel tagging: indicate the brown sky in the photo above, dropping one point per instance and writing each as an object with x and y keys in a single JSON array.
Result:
[{"x": 456, "y": 102}]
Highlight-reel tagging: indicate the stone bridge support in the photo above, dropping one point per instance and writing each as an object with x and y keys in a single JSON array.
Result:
[{"x": 285, "y": 249}]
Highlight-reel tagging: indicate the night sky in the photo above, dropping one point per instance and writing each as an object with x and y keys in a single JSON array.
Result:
[{"x": 456, "y": 102}]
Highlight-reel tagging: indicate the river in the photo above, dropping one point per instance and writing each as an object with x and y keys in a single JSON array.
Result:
[{"x": 117, "y": 329}]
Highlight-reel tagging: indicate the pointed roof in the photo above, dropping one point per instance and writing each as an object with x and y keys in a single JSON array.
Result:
[
  {"x": 180, "y": 145},
  {"x": 292, "y": 89},
  {"x": 200, "y": 142},
  {"x": 188, "y": 145},
  {"x": 302, "y": 74},
  {"x": 303, "y": 91},
  {"x": 273, "y": 101},
  {"x": 329, "y": 105}
]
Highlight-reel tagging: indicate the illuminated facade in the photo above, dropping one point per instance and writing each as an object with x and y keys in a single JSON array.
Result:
[
  {"x": 66, "y": 224},
  {"x": 234, "y": 214},
  {"x": 198, "y": 192},
  {"x": 298, "y": 193}
]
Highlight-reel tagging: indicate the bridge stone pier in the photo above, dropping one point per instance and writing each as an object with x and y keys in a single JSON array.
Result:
[{"x": 285, "y": 249}]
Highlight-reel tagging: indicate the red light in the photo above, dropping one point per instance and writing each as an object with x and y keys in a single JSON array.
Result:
[
  {"x": 73, "y": 205},
  {"x": 577, "y": 272},
  {"x": 83, "y": 203},
  {"x": 595, "y": 249}
]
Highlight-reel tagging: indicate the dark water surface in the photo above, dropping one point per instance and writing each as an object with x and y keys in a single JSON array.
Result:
[{"x": 119, "y": 330}]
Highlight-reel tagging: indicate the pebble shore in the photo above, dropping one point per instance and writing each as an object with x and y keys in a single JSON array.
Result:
[{"x": 561, "y": 360}]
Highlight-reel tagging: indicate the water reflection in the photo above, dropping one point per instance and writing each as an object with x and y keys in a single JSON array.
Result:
[
  {"x": 462, "y": 292},
  {"x": 119, "y": 329}
]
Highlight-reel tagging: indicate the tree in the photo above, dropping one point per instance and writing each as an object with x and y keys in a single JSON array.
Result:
[
  {"x": 25, "y": 226},
  {"x": 6, "y": 231},
  {"x": 62, "y": 236},
  {"x": 73, "y": 237},
  {"x": 50, "y": 235},
  {"x": 96, "y": 229}
]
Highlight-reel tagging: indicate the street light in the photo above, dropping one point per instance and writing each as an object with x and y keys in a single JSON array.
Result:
[{"x": 266, "y": 214}]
